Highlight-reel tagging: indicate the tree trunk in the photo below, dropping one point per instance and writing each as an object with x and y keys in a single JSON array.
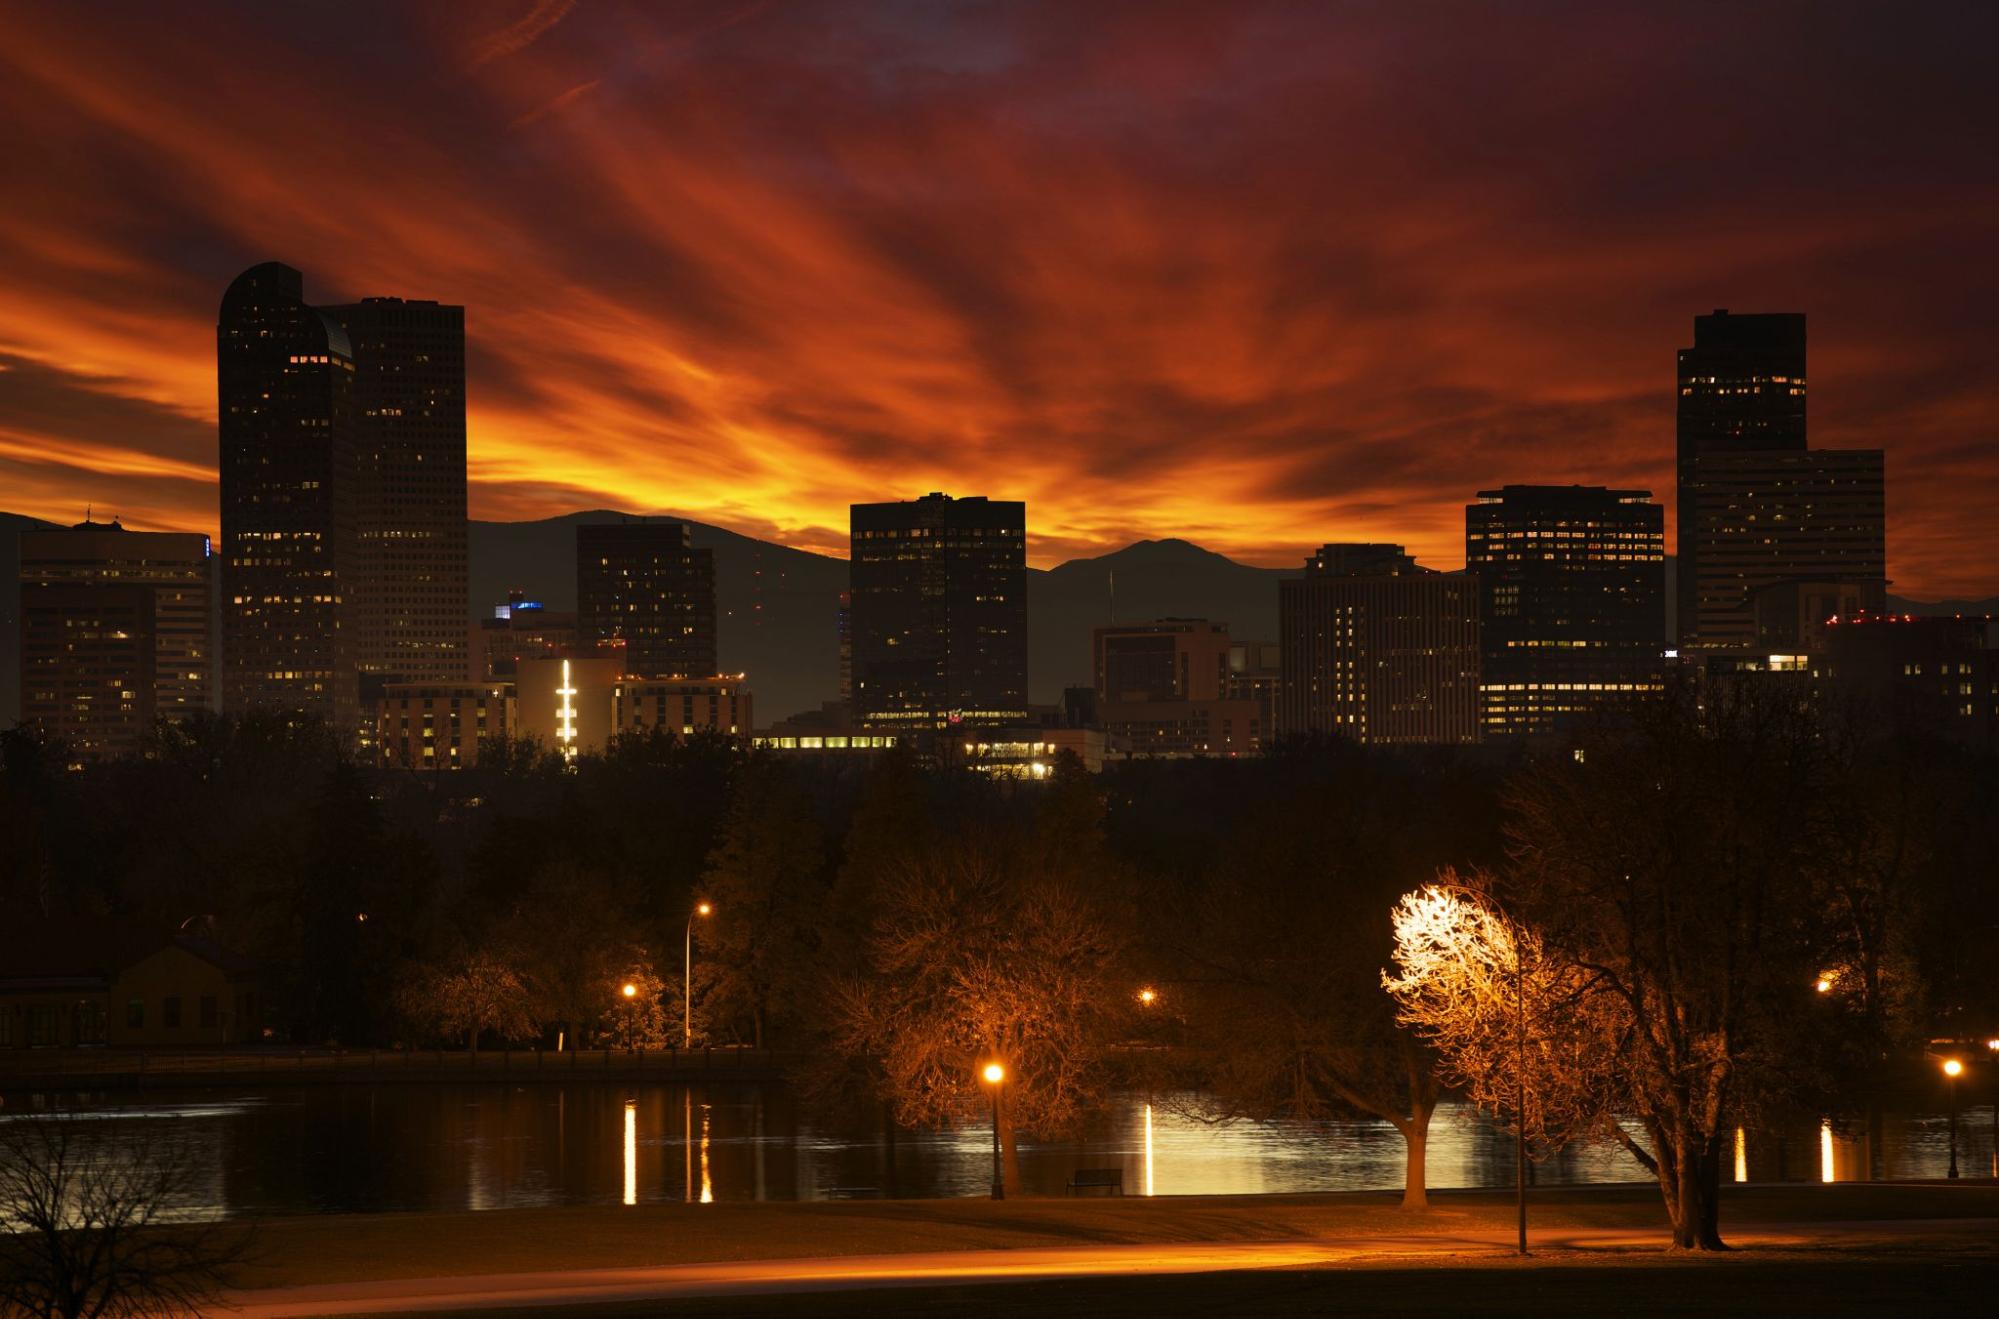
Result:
[
  {"x": 1416, "y": 1141},
  {"x": 1694, "y": 1199}
]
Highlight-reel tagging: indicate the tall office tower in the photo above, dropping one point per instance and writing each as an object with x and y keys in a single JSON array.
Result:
[
  {"x": 408, "y": 591},
  {"x": 1377, "y": 649},
  {"x": 1764, "y": 523},
  {"x": 1741, "y": 390},
  {"x": 644, "y": 583},
  {"x": 939, "y": 612},
  {"x": 1162, "y": 688},
  {"x": 114, "y": 633},
  {"x": 1572, "y": 601},
  {"x": 285, "y": 378}
]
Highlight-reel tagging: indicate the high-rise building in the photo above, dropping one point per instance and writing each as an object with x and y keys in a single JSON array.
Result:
[
  {"x": 114, "y": 633},
  {"x": 1162, "y": 690},
  {"x": 424, "y": 725},
  {"x": 1572, "y": 607},
  {"x": 517, "y": 630},
  {"x": 285, "y": 380},
  {"x": 644, "y": 583},
  {"x": 1377, "y": 649},
  {"x": 408, "y": 591},
  {"x": 939, "y": 613},
  {"x": 1741, "y": 390},
  {"x": 1765, "y": 521}
]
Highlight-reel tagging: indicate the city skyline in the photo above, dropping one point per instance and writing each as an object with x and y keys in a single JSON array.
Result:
[{"x": 777, "y": 307}]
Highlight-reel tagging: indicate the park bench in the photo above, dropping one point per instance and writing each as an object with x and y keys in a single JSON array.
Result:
[{"x": 1097, "y": 1179}]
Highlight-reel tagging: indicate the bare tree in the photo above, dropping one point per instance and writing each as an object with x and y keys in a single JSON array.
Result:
[
  {"x": 992, "y": 942},
  {"x": 90, "y": 1229}
]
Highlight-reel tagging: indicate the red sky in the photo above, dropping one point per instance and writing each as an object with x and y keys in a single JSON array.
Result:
[{"x": 1259, "y": 275}]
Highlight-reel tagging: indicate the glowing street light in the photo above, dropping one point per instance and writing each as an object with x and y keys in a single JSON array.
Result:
[
  {"x": 687, "y": 979},
  {"x": 1824, "y": 985},
  {"x": 994, "y": 1075},
  {"x": 1952, "y": 1069},
  {"x": 630, "y": 990},
  {"x": 1148, "y": 996}
]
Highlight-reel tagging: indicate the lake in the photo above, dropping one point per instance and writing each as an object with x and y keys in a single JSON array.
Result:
[{"x": 339, "y": 1149}]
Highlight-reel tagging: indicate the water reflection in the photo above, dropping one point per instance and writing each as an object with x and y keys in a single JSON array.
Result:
[{"x": 445, "y": 1147}]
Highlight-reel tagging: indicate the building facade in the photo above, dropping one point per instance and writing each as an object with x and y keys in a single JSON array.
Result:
[
  {"x": 409, "y": 588},
  {"x": 517, "y": 630},
  {"x": 1163, "y": 689},
  {"x": 1936, "y": 674},
  {"x": 644, "y": 583},
  {"x": 66, "y": 984},
  {"x": 1741, "y": 390},
  {"x": 939, "y": 613},
  {"x": 684, "y": 707},
  {"x": 114, "y": 633},
  {"x": 285, "y": 381},
  {"x": 1572, "y": 607},
  {"x": 422, "y": 725},
  {"x": 1379, "y": 650},
  {"x": 1764, "y": 519}
]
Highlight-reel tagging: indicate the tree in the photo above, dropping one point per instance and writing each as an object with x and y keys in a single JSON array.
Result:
[
  {"x": 1518, "y": 1032},
  {"x": 1674, "y": 859},
  {"x": 481, "y": 994},
  {"x": 768, "y": 881},
  {"x": 994, "y": 941},
  {"x": 90, "y": 1230},
  {"x": 638, "y": 1019}
]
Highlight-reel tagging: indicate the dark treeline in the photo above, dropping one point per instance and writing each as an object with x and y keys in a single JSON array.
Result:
[{"x": 903, "y": 924}]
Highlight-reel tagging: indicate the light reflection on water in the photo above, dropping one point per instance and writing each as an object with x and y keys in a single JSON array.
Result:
[{"x": 289, "y": 1150}]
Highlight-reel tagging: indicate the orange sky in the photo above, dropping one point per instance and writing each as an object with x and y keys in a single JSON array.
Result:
[{"x": 1261, "y": 276}]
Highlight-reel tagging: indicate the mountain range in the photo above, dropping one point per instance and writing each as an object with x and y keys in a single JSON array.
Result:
[{"x": 779, "y": 606}]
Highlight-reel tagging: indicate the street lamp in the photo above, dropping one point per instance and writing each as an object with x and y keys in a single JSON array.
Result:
[
  {"x": 687, "y": 979},
  {"x": 995, "y": 1076},
  {"x": 630, "y": 990},
  {"x": 1992, "y": 1046},
  {"x": 1148, "y": 996},
  {"x": 1952, "y": 1068}
]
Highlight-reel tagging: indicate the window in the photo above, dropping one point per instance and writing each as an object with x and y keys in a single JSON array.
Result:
[
  {"x": 135, "y": 1014},
  {"x": 41, "y": 1025},
  {"x": 208, "y": 1015},
  {"x": 170, "y": 1012}
]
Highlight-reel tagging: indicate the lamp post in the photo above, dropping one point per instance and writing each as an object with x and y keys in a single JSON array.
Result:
[
  {"x": 1951, "y": 1069},
  {"x": 687, "y": 979},
  {"x": 995, "y": 1076},
  {"x": 1992, "y": 1046}
]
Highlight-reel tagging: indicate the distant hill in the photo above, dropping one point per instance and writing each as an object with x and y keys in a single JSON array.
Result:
[{"x": 11, "y": 526}]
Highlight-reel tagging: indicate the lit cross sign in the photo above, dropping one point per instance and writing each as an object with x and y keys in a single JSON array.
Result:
[{"x": 565, "y": 729}]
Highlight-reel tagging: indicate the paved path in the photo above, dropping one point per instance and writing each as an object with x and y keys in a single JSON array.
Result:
[{"x": 482, "y": 1291}]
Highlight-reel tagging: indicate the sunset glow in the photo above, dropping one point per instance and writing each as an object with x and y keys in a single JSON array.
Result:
[{"x": 1258, "y": 276}]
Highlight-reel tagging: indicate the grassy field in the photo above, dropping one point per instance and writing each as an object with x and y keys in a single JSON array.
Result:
[{"x": 351, "y": 1248}]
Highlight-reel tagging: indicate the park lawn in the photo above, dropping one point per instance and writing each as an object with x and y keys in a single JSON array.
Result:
[
  {"x": 1817, "y": 1284},
  {"x": 297, "y": 1251}
]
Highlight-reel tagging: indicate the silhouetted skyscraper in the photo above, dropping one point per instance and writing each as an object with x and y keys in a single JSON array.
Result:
[
  {"x": 1765, "y": 522},
  {"x": 115, "y": 633},
  {"x": 939, "y": 612},
  {"x": 285, "y": 380},
  {"x": 645, "y": 584},
  {"x": 1572, "y": 601},
  {"x": 1741, "y": 390},
  {"x": 1377, "y": 649},
  {"x": 409, "y": 594}
]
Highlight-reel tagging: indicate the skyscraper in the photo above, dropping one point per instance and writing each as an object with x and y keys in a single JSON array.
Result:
[
  {"x": 1741, "y": 390},
  {"x": 409, "y": 594},
  {"x": 115, "y": 633},
  {"x": 1572, "y": 607},
  {"x": 1377, "y": 649},
  {"x": 1163, "y": 689},
  {"x": 1764, "y": 522},
  {"x": 939, "y": 612},
  {"x": 644, "y": 583},
  {"x": 285, "y": 380}
]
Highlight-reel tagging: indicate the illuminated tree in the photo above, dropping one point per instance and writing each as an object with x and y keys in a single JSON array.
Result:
[
  {"x": 638, "y": 1019},
  {"x": 482, "y": 994},
  {"x": 992, "y": 941},
  {"x": 1522, "y": 1034}
]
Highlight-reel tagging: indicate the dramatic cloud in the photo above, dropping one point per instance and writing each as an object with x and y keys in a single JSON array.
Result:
[{"x": 1262, "y": 275}]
